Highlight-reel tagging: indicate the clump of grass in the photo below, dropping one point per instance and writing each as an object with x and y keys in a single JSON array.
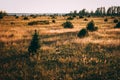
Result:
[
  {"x": 82, "y": 33},
  {"x": 67, "y": 24},
  {"x": 91, "y": 26},
  {"x": 117, "y": 25},
  {"x": 115, "y": 20}
]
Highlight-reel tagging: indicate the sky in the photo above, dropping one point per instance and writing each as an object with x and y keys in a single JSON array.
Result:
[{"x": 53, "y": 6}]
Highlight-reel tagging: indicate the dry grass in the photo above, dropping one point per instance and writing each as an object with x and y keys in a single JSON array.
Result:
[{"x": 63, "y": 56}]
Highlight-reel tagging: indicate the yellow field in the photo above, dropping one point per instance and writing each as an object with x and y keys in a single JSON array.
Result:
[{"x": 63, "y": 55}]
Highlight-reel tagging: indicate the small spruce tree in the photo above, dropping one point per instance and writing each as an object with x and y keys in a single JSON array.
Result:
[{"x": 34, "y": 45}]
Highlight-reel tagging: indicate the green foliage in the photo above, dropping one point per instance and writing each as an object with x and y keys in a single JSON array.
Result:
[
  {"x": 115, "y": 20},
  {"x": 53, "y": 21},
  {"x": 70, "y": 18},
  {"x": 2, "y": 14},
  {"x": 16, "y": 17},
  {"x": 81, "y": 17},
  {"x": 67, "y": 24},
  {"x": 117, "y": 25},
  {"x": 105, "y": 20},
  {"x": 38, "y": 22},
  {"x": 34, "y": 45},
  {"x": 85, "y": 19},
  {"x": 25, "y": 18},
  {"x": 82, "y": 33},
  {"x": 91, "y": 26}
]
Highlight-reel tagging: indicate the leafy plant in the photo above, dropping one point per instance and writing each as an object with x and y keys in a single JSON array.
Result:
[
  {"x": 115, "y": 20},
  {"x": 25, "y": 18},
  {"x": 105, "y": 20},
  {"x": 82, "y": 33},
  {"x": 91, "y": 26},
  {"x": 117, "y": 25},
  {"x": 67, "y": 24}
]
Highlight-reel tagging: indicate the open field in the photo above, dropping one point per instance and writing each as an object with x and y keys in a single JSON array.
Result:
[{"x": 63, "y": 55}]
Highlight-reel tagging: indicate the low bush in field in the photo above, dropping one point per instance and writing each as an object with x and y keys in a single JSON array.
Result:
[
  {"x": 53, "y": 21},
  {"x": 91, "y": 26},
  {"x": 115, "y": 20},
  {"x": 67, "y": 24},
  {"x": 117, "y": 25},
  {"x": 85, "y": 19},
  {"x": 38, "y": 22},
  {"x": 81, "y": 17},
  {"x": 25, "y": 18},
  {"x": 82, "y": 33},
  {"x": 105, "y": 20},
  {"x": 70, "y": 18}
]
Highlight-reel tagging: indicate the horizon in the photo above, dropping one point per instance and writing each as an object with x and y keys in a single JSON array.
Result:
[{"x": 53, "y": 6}]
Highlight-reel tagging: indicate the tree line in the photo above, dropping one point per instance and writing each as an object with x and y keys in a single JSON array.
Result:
[{"x": 101, "y": 11}]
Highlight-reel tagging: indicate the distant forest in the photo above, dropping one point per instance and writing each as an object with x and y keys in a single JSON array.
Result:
[{"x": 101, "y": 11}]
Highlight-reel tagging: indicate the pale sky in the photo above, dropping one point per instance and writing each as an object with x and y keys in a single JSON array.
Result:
[{"x": 53, "y": 6}]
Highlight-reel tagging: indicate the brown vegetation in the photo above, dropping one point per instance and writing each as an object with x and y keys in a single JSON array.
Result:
[{"x": 63, "y": 55}]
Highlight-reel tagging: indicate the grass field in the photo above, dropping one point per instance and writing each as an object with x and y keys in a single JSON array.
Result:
[{"x": 63, "y": 55}]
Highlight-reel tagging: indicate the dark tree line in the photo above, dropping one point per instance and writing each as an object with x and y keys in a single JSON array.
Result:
[
  {"x": 101, "y": 11},
  {"x": 2, "y": 14}
]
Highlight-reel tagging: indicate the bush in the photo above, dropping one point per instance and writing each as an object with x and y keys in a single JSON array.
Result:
[
  {"x": 82, "y": 33},
  {"x": 33, "y": 16},
  {"x": 38, "y": 22},
  {"x": 85, "y": 19},
  {"x": 34, "y": 45},
  {"x": 117, "y": 25},
  {"x": 115, "y": 20},
  {"x": 16, "y": 17},
  {"x": 70, "y": 18},
  {"x": 53, "y": 21},
  {"x": 81, "y": 17},
  {"x": 44, "y": 22},
  {"x": 105, "y": 20},
  {"x": 91, "y": 26},
  {"x": 25, "y": 18},
  {"x": 67, "y": 25}
]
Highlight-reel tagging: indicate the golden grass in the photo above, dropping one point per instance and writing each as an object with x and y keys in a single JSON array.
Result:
[{"x": 62, "y": 54}]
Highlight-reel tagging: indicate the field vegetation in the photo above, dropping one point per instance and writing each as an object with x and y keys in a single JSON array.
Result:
[{"x": 62, "y": 54}]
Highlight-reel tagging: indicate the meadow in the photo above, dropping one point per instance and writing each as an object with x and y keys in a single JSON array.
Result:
[{"x": 62, "y": 55}]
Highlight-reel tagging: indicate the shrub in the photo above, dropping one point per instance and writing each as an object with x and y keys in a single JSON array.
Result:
[
  {"x": 70, "y": 18},
  {"x": 38, "y": 22},
  {"x": 33, "y": 16},
  {"x": 117, "y": 25},
  {"x": 44, "y": 22},
  {"x": 25, "y": 18},
  {"x": 33, "y": 23},
  {"x": 67, "y": 24},
  {"x": 16, "y": 17},
  {"x": 115, "y": 20},
  {"x": 34, "y": 45},
  {"x": 105, "y": 20},
  {"x": 53, "y": 21},
  {"x": 91, "y": 26},
  {"x": 85, "y": 19},
  {"x": 82, "y": 33},
  {"x": 81, "y": 17}
]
